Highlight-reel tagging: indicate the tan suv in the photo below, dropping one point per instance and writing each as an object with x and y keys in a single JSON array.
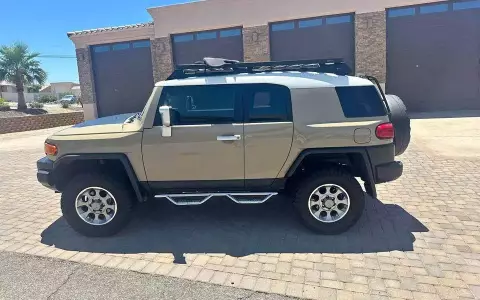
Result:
[{"x": 242, "y": 131}]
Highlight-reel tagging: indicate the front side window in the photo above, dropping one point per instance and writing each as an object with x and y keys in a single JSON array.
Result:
[
  {"x": 194, "y": 105},
  {"x": 267, "y": 103}
]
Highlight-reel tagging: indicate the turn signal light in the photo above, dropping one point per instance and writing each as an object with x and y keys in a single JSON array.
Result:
[
  {"x": 50, "y": 149},
  {"x": 385, "y": 131}
]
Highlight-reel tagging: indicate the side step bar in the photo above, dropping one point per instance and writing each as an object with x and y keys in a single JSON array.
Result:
[{"x": 197, "y": 199}]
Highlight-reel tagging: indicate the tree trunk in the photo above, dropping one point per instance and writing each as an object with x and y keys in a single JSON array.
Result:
[{"x": 21, "y": 97}]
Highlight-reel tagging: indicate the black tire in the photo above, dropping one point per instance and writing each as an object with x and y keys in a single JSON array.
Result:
[
  {"x": 123, "y": 197},
  {"x": 330, "y": 176},
  {"x": 401, "y": 123}
]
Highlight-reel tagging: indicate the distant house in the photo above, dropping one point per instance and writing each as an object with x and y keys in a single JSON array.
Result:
[
  {"x": 7, "y": 87},
  {"x": 59, "y": 87}
]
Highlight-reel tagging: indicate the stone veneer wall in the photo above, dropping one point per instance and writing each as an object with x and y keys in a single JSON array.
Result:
[
  {"x": 371, "y": 44},
  {"x": 17, "y": 124},
  {"x": 162, "y": 58},
  {"x": 85, "y": 75},
  {"x": 256, "y": 43}
]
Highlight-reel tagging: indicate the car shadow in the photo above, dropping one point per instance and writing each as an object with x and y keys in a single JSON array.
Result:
[{"x": 221, "y": 226}]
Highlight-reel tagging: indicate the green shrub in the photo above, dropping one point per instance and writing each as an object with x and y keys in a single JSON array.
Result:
[
  {"x": 4, "y": 105},
  {"x": 35, "y": 105},
  {"x": 64, "y": 104},
  {"x": 47, "y": 99}
]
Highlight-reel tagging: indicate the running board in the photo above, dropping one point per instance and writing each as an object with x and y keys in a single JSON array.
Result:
[{"x": 197, "y": 199}]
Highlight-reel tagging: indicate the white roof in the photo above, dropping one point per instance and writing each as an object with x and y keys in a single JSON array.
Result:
[
  {"x": 292, "y": 80},
  {"x": 4, "y": 83}
]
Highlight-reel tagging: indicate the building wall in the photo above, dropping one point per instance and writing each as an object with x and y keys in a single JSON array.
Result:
[
  {"x": 62, "y": 87},
  {"x": 249, "y": 13},
  {"x": 371, "y": 44},
  {"x": 254, "y": 16}
]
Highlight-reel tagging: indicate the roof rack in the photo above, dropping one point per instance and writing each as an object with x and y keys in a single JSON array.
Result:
[{"x": 220, "y": 66}]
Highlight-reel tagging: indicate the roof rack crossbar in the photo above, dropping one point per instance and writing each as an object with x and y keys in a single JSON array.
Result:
[{"x": 220, "y": 66}]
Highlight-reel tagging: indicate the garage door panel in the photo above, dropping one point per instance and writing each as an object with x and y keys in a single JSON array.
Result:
[
  {"x": 433, "y": 58},
  {"x": 318, "y": 38},
  {"x": 123, "y": 77},
  {"x": 192, "y": 47}
]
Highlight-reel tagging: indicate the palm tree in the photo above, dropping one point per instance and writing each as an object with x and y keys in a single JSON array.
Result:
[{"x": 19, "y": 66}]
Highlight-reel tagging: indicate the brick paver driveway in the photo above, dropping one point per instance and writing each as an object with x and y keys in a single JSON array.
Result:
[{"x": 419, "y": 240}]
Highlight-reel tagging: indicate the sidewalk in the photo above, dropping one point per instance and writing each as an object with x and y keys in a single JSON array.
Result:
[{"x": 32, "y": 278}]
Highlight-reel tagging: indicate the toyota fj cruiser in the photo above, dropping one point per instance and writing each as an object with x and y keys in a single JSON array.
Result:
[{"x": 243, "y": 131}]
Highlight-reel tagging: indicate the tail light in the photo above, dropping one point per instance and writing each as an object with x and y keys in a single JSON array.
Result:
[
  {"x": 385, "y": 131},
  {"x": 50, "y": 149}
]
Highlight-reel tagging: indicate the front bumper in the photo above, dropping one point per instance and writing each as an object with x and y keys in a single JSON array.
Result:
[{"x": 45, "y": 172}]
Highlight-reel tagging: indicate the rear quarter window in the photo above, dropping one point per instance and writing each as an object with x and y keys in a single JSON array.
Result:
[{"x": 360, "y": 101}]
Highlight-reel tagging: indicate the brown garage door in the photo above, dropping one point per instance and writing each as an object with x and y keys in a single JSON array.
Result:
[
  {"x": 123, "y": 76},
  {"x": 433, "y": 55},
  {"x": 322, "y": 38},
  {"x": 192, "y": 47}
]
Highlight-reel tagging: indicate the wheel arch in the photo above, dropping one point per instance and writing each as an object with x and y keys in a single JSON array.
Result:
[
  {"x": 354, "y": 159},
  {"x": 108, "y": 162}
]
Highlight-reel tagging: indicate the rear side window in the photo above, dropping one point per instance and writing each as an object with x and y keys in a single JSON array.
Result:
[
  {"x": 206, "y": 104},
  {"x": 360, "y": 101},
  {"x": 266, "y": 103}
]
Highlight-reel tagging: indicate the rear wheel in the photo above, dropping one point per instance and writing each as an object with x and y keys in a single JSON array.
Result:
[
  {"x": 96, "y": 205},
  {"x": 330, "y": 202}
]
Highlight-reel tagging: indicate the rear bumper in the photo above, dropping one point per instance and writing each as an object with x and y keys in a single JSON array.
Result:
[
  {"x": 384, "y": 166},
  {"x": 45, "y": 172},
  {"x": 388, "y": 171}
]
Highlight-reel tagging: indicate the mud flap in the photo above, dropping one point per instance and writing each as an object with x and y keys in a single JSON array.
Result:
[{"x": 370, "y": 189}]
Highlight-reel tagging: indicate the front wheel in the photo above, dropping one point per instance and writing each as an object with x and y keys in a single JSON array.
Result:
[
  {"x": 96, "y": 205},
  {"x": 330, "y": 202}
]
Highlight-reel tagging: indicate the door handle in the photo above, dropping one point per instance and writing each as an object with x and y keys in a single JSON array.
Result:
[{"x": 224, "y": 138}]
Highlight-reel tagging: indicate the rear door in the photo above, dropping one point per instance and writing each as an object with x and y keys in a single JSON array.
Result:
[{"x": 268, "y": 130}]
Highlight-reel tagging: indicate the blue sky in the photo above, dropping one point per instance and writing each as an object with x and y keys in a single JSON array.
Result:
[{"x": 43, "y": 25}]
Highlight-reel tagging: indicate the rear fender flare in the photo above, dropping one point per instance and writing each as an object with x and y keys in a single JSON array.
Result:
[{"x": 366, "y": 165}]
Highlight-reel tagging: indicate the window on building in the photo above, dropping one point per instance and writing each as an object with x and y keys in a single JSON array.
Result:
[
  {"x": 339, "y": 20},
  {"x": 283, "y": 26},
  {"x": 183, "y": 38},
  {"x": 141, "y": 44},
  {"x": 98, "y": 49},
  {"x": 121, "y": 46},
  {"x": 267, "y": 103},
  {"x": 466, "y": 5},
  {"x": 194, "y": 105},
  {"x": 207, "y": 35},
  {"x": 431, "y": 9},
  {"x": 401, "y": 12},
  {"x": 310, "y": 23},
  {"x": 230, "y": 32},
  {"x": 360, "y": 101}
]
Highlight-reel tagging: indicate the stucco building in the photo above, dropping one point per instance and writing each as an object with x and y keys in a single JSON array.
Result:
[{"x": 427, "y": 52}]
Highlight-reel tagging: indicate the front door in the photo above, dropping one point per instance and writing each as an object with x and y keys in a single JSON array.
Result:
[{"x": 206, "y": 150}]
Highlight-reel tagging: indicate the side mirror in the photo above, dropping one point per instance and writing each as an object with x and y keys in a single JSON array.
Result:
[{"x": 166, "y": 122}]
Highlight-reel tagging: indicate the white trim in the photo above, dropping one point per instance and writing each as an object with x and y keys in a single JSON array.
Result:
[
  {"x": 345, "y": 124},
  {"x": 267, "y": 123}
]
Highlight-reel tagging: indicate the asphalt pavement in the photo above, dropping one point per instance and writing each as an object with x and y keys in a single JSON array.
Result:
[{"x": 31, "y": 277}]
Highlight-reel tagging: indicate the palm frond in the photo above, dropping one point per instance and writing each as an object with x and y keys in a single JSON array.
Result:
[{"x": 17, "y": 59}]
